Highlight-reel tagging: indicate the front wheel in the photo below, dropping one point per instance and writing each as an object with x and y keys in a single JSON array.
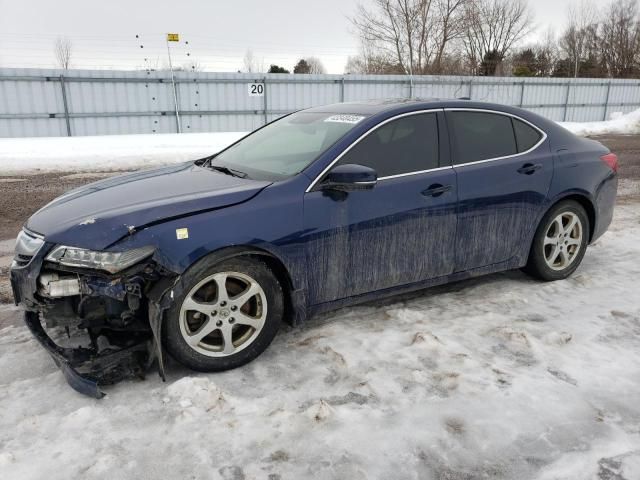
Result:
[
  {"x": 228, "y": 315},
  {"x": 560, "y": 242}
]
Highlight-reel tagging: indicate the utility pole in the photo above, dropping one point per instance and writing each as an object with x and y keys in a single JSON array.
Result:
[
  {"x": 411, "y": 77},
  {"x": 174, "y": 37}
]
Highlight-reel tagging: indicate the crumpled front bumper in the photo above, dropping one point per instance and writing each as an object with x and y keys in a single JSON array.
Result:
[
  {"x": 88, "y": 368},
  {"x": 84, "y": 369}
]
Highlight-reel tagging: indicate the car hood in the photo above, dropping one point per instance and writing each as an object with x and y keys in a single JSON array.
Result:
[{"x": 101, "y": 213}]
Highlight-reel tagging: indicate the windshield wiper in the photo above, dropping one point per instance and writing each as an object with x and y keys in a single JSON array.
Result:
[{"x": 228, "y": 171}]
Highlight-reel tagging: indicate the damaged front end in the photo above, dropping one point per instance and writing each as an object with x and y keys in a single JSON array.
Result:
[{"x": 104, "y": 309}]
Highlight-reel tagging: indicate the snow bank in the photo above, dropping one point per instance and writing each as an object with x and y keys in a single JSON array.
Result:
[
  {"x": 628, "y": 124},
  {"x": 499, "y": 377},
  {"x": 107, "y": 153},
  {"x": 132, "y": 152}
]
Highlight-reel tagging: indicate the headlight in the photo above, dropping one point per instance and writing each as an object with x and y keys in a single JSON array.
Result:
[
  {"x": 28, "y": 244},
  {"x": 111, "y": 262}
]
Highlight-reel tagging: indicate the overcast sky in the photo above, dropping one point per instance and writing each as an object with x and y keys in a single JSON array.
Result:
[{"x": 219, "y": 32}]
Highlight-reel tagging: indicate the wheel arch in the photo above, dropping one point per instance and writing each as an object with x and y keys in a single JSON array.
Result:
[
  {"x": 294, "y": 306},
  {"x": 582, "y": 199},
  {"x": 585, "y": 202}
]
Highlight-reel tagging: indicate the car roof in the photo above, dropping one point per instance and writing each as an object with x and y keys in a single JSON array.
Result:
[
  {"x": 393, "y": 105},
  {"x": 384, "y": 108},
  {"x": 371, "y": 107}
]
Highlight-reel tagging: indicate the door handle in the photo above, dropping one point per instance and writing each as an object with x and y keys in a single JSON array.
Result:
[
  {"x": 436, "y": 190},
  {"x": 529, "y": 168}
]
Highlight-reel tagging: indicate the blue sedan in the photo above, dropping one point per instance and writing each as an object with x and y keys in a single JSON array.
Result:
[{"x": 323, "y": 208}]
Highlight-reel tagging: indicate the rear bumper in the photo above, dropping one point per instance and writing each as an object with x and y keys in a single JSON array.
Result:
[{"x": 605, "y": 203}]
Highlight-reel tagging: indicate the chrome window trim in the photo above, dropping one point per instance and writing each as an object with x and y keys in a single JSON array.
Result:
[
  {"x": 372, "y": 129},
  {"x": 506, "y": 114},
  {"x": 389, "y": 177},
  {"x": 432, "y": 110}
]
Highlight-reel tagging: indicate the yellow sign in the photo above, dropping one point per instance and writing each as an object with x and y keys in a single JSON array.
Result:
[
  {"x": 173, "y": 37},
  {"x": 182, "y": 233}
]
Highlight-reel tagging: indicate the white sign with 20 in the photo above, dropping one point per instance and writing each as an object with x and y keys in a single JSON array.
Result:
[{"x": 256, "y": 89}]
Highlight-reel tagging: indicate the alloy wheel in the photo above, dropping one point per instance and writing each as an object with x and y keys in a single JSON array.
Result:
[
  {"x": 223, "y": 314},
  {"x": 562, "y": 241}
]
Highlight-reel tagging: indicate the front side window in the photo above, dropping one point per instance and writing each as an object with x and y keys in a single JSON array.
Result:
[
  {"x": 408, "y": 144},
  {"x": 481, "y": 136},
  {"x": 286, "y": 146}
]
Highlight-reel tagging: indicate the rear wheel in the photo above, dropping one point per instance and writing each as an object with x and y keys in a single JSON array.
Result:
[
  {"x": 560, "y": 242},
  {"x": 228, "y": 315}
]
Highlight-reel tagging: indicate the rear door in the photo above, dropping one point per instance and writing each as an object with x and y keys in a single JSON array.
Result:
[
  {"x": 399, "y": 232},
  {"x": 504, "y": 171}
]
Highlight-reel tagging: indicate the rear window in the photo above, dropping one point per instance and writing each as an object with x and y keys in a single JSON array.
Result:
[
  {"x": 481, "y": 136},
  {"x": 526, "y": 135}
]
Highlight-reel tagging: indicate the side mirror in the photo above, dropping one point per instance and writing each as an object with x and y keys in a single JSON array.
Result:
[{"x": 349, "y": 177}]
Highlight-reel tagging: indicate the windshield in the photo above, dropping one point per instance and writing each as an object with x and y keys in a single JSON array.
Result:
[{"x": 286, "y": 146}]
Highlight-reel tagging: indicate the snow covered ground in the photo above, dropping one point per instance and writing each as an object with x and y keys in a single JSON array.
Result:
[
  {"x": 619, "y": 124},
  {"x": 500, "y": 377},
  {"x": 106, "y": 153},
  {"x": 127, "y": 152}
]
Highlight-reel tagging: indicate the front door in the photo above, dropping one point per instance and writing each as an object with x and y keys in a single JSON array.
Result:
[{"x": 401, "y": 231}]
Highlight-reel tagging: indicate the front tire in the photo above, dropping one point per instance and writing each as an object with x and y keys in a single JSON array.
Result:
[
  {"x": 227, "y": 315},
  {"x": 560, "y": 242}
]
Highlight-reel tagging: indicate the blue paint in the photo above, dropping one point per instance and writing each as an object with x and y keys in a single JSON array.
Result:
[{"x": 340, "y": 248}]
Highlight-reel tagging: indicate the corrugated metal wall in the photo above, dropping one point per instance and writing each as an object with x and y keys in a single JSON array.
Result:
[{"x": 39, "y": 102}]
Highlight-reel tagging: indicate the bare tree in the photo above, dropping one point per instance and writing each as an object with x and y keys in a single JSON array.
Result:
[
  {"x": 373, "y": 62},
  {"x": 493, "y": 27},
  {"x": 63, "y": 50},
  {"x": 547, "y": 53},
  {"x": 413, "y": 34},
  {"x": 315, "y": 65},
  {"x": 448, "y": 26},
  {"x": 581, "y": 19},
  {"x": 535, "y": 60},
  {"x": 621, "y": 39},
  {"x": 251, "y": 64},
  {"x": 356, "y": 64}
]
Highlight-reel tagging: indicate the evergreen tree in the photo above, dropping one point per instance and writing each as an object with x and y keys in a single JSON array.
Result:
[
  {"x": 302, "y": 67},
  {"x": 277, "y": 69}
]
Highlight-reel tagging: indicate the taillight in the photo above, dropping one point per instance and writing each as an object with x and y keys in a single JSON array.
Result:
[{"x": 611, "y": 159}]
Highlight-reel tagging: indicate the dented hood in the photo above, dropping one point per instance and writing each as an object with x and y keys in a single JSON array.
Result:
[{"x": 99, "y": 214}]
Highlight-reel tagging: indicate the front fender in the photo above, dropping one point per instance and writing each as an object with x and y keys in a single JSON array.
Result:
[{"x": 270, "y": 223}]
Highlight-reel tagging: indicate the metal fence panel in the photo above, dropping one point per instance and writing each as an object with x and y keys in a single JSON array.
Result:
[{"x": 48, "y": 102}]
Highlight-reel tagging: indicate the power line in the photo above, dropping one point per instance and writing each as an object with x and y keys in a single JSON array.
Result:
[{"x": 159, "y": 36}]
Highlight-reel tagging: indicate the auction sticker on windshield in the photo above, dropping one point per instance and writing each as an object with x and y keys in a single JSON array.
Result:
[{"x": 344, "y": 118}]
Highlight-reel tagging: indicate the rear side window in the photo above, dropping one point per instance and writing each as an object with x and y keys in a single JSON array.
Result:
[
  {"x": 481, "y": 136},
  {"x": 526, "y": 135},
  {"x": 406, "y": 145}
]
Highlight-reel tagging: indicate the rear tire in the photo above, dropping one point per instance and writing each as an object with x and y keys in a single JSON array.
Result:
[
  {"x": 227, "y": 315},
  {"x": 560, "y": 242}
]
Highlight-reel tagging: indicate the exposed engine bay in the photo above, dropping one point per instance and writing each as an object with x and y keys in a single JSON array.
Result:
[{"x": 106, "y": 326}]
